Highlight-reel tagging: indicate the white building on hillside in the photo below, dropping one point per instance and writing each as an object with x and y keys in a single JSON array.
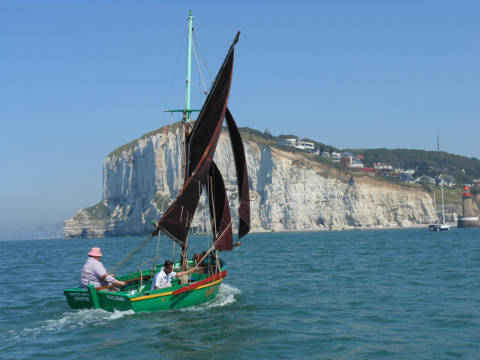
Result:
[
  {"x": 298, "y": 144},
  {"x": 382, "y": 166},
  {"x": 335, "y": 156},
  {"x": 292, "y": 142},
  {"x": 305, "y": 145}
]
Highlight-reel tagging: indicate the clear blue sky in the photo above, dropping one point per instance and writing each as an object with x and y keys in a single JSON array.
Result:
[{"x": 80, "y": 78}]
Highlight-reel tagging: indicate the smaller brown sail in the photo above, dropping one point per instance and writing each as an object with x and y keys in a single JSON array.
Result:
[
  {"x": 219, "y": 210},
  {"x": 242, "y": 175}
]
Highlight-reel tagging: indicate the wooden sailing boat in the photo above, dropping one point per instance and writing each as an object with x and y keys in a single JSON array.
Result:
[{"x": 201, "y": 173}]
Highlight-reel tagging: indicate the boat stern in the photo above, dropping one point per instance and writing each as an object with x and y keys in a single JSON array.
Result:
[{"x": 79, "y": 298}]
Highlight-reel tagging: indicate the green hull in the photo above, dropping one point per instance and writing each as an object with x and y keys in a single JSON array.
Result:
[{"x": 201, "y": 290}]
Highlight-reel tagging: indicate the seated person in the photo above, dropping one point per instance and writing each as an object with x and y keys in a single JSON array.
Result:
[
  {"x": 163, "y": 278},
  {"x": 197, "y": 258},
  {"x": 94, "y": 272},
  {"x": 211, "y": 260},
  {"x": 199, "y": 264}
]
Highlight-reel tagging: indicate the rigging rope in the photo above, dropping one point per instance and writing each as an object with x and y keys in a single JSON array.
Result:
[
  {"x": 204, "y": 90},
  {"x": 156, "y": 253},
  {"x": 207, "y": 215},
  {"x": 174, "y": 71},
  {"x": 129, "y": 256},
  {"x": 195, "y": 41},
  {"x": 209, "y": 250},
  {"x": 197, "y": 265}
]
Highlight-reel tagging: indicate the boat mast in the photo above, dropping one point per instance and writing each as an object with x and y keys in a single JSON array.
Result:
[
  {"x": 187, "y": 111},
  {"x": 443, "y": 206},
  {"x": 189, "y": 67},
  {"x": 441, "y": 180},
  {"x": 186, "y": 115}
]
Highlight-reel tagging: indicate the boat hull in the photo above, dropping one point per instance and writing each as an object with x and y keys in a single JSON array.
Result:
[
  {"x": 440, "y": 227},
  {"x": 174, "y": 297}
]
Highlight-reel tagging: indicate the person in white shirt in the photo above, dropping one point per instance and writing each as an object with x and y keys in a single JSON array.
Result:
[
  {"x": 163, "y": 278},
  {"x": 95, "y": 273}
]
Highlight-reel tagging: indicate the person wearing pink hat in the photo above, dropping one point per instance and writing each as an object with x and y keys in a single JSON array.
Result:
[{"x": 95, "y": 273}]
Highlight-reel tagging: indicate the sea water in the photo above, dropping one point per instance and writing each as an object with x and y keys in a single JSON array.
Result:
[{"x": 382, "y": 294}]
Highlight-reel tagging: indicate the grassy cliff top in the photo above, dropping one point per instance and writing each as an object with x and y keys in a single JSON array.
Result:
[
  {"x": 126, "y": 147},
  {"x": 423, "y": 162}
]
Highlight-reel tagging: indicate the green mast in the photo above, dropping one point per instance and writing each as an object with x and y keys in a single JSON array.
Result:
[
  {"x": 187, "y": 111},
  {"x": 189, "y": 67}
]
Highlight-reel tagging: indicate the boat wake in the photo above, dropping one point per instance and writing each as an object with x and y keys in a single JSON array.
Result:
[
  {"x": 226, "y": 296},
  {"x": 86, "y": 317},
  {"x": 72, "y": 320},
  {"x": 81, "y": 318}
]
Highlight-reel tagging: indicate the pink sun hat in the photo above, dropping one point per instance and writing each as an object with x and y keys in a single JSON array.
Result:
[{"x": 95, "y": 252}]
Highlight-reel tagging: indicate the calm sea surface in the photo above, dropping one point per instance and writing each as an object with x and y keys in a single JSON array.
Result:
[{"x": 385, "y": 294}]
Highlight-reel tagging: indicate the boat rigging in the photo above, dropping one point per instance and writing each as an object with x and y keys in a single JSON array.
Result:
[{"x": 200, "y": 174}]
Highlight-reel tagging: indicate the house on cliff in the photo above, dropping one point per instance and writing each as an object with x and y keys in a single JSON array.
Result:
[{"x": 350, "y": 160}]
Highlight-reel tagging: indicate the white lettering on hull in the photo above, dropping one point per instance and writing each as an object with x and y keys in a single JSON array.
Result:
[{"x": 115, "y": 298}]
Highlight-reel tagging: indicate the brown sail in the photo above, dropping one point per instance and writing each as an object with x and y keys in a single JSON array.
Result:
[
  {"x": 242, "y": 175},
  {"x": 201, "y": 145},
  {"x": 211, "y": 115}
]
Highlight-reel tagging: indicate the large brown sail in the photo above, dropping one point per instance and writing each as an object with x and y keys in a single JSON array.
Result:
[
  {"x": 201, "y": 145},
  {"x": 212, "y": 114}
]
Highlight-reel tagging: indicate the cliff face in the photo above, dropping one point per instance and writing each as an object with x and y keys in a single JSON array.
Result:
[{"x": 287, "y": 191}]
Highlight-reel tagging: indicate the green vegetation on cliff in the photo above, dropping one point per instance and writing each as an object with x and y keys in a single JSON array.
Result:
[
  {"x": 98, "y": 211},
  {"x": 267, "y": 139},
  {"x": 126, "y": 147},
  {"x": 429, "y": 163}
]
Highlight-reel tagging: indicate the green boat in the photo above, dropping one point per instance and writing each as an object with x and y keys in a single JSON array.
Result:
[
  {"x": 201, "y": 174},
  {"x": 200, "y": 289}
]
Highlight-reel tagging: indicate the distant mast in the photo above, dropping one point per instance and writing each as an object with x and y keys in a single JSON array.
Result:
[
  {"x": 443, "y": 206},
  {"x": 441, "y": 180},
  {"x": 440, "y": 226}
]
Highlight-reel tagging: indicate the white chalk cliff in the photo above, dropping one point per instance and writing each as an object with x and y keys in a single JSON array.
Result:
[{"x": 288, "y": 191}]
